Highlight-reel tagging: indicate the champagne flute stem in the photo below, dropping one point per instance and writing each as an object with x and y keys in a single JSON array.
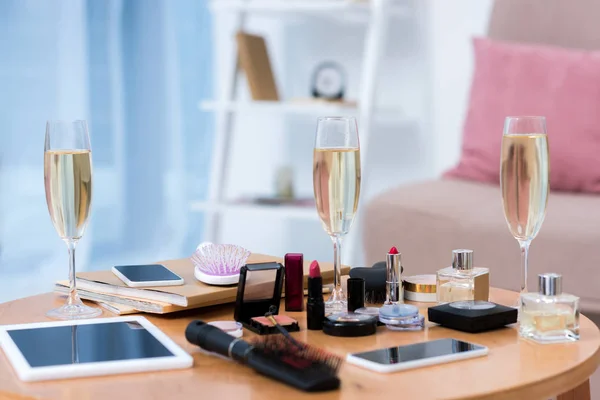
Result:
[
  {"x": 73, "y": 297},
  {"x": 337, "y": 262},
  {"x": 524, "y": 244}
]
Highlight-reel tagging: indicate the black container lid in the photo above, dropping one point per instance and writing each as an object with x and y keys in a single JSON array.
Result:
[{"x": 350, "y": 325}]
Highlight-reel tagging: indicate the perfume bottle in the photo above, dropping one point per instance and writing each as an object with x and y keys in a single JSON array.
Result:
[
  {"x": 461, "y": 281},
  {"x": 549, "y": 316}
]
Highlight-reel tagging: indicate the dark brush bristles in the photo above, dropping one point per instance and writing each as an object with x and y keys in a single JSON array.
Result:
[
  {"x": 374, "y": 296},
  {"x": 298, "y": 354}
]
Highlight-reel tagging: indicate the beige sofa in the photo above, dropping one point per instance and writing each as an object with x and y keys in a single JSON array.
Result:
[{"x": 427, "y": 220}]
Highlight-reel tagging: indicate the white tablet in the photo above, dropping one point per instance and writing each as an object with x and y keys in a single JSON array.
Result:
[
  {"x": 416, "y": 355},
  {"x": 92, "y": 347}
]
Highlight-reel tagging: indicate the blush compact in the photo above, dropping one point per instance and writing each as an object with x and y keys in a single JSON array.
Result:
[
  {"x": 259, "y": 293},
  {"x": 264, "y": 326},
  {"x": 472, "y": 316}
]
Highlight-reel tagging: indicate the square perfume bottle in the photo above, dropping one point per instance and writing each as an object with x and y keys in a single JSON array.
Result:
[
  {"x": 462, "y": 281},
  {"x": 549, "y": 316}
]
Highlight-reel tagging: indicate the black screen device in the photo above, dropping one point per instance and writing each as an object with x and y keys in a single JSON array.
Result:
[
  {"x": 147, "y": 275},
  {"x": 116, "y": 341},
  {"x": 418, "y": 351},
  {"x": 472, "y": 316},
  {"x": 416, "y": 355}
]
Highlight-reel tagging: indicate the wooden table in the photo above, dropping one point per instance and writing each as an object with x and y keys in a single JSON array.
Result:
[{"x": 514, "y": 368}]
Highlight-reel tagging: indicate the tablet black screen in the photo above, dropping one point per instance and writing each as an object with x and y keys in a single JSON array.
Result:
[{"x": 79, "y": 344}]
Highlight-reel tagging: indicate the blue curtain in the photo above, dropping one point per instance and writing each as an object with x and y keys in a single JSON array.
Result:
[{"x": 135, "y": 70}]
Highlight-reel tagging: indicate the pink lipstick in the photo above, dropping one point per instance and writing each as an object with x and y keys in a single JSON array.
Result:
[{"x": 315, "y": 307}]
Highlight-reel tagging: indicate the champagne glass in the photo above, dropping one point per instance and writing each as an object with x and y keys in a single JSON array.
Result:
[
  {"x": 68, "y": 183},
  {"x": 336, "y": 180},
  {"x": 524, "y": 179}
]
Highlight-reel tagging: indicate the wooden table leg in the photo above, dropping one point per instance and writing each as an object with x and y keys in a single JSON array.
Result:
[{"x": 581, "y": 392}]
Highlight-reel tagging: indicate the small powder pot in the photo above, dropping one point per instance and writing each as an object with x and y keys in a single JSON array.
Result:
[
  {"x": 401, "y": 317},
  {"x": 232, "y": 328},
  {"x": 350, "y": 325}
]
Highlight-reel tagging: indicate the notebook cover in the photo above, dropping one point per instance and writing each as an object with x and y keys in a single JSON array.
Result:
[
  {"x": 197, "y": 294},
  {"x": 254, "y": 60}
]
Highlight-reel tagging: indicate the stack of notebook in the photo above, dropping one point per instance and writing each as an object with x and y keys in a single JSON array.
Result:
[{"x": 111, "y": 293}]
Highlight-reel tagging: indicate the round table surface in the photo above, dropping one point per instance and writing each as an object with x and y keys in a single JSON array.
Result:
[{"x": 514, "y": 368}]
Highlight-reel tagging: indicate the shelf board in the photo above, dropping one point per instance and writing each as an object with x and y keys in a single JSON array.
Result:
[
  {"x": 386, "y": 115},
  {"x": 297, "y": 212},
  {"x": 295, "y": 6},
  {"x": 279, "y": 106}
]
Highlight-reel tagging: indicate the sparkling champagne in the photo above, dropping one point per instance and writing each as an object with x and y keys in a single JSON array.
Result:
[
  {"x": 524, "y": 175},
  {"x": 336, "y": 179},
  {"x": 68, "y": 181}
]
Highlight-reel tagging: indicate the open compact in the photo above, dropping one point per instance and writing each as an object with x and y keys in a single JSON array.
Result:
[{"x": 259, "y": 293}]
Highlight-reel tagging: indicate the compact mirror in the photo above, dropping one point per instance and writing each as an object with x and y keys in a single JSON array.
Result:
[{"x": 259, "y": 291}]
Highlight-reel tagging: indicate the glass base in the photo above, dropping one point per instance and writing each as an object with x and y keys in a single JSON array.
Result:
[
  {"x": 557, "y": 336},
  {"x": 337, "y": 302},
  {"x": 74, "y": 311}
]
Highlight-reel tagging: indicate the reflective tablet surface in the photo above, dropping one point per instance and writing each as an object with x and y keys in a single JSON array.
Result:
[
  {"x": 418, "y": 351},
  {"x": 79, "y": 344}
]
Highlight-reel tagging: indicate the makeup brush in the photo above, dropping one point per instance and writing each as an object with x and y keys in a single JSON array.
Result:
[{"x": 305, "y": 368}]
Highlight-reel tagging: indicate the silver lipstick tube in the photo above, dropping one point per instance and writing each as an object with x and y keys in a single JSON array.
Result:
[{"x": 393, "y": 287}]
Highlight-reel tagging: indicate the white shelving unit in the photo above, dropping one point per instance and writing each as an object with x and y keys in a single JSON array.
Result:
[
  {"x": 351, "y": 10},
  {"x": 382, "y": 115},
  {"x": 376, "y": 14},
  {"x": 299, "y": 212}
]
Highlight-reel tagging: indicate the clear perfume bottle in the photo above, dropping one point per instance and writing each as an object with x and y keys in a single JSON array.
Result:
[
  {"x": 550, "y": 315},
  {"x": 458, "y": 281}
]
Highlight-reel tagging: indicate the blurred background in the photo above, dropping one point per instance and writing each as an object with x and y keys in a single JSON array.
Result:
[{"x": 154, "y": 80}]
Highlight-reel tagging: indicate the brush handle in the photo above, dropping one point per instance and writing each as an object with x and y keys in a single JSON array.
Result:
[{"x": 213, "y": 339}]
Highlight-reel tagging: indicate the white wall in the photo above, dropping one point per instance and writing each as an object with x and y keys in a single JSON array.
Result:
[{"x": 452, "y": 24}]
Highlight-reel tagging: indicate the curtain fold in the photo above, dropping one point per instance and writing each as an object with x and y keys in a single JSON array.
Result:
[{"x": 135, "y": 70}]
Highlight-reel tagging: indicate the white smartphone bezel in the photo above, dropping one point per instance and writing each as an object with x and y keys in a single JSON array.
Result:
[
  {"x": 424, "y": 362},
  {"x": 130, "y": 283},
  {"x": 180, "y": 359}
]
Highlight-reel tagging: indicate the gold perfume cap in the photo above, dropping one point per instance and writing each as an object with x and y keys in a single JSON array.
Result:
[
  {"x": 550, "y": 284},
  {"x": 462, "y": 259}
]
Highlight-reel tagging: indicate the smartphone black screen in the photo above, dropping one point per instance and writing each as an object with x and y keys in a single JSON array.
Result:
[
  {"x": 418, "y": 351},
  {"x": 147, "y": 273}
]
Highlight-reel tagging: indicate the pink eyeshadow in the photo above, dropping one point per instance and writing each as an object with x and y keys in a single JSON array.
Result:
[{"x": 281, "y": 320}]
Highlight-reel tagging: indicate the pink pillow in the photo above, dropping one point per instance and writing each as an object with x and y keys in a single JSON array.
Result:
[{"x": 517, "y": 79}]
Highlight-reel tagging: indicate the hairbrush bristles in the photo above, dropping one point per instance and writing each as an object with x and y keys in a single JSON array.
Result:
[
  {"x": 219, "y": 264},
  {"x": 298, "y": 354}
]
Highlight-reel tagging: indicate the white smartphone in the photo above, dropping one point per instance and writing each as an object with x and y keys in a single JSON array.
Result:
[
  {"x": 147, "y": 275},
  {"x": 416, "y": 355}
]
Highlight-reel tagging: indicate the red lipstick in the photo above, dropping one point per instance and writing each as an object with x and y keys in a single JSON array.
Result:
[
  {"x": 393, "y": 291},
  {"x": 315, "y": 307}
]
